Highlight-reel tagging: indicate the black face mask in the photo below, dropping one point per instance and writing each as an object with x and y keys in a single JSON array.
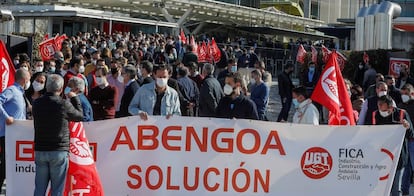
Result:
[{"x": 114, "y": 70}]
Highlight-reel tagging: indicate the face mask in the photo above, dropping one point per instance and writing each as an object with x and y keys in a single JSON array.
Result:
[
  {"x": 361, "y": 66},
  {"x": 52, "y": 69},
  {"x": 311, "y": 69},
  {"x": 405, "y": 98},
  {"x": 38, "y": 86},
  {"x": 120, "y": 79},
  {"x": 116, "y": 56},
  {"x": 114, "y": 70},
  {"x": 82, "y": 50},
  {"x": 25, "y": 68},
  {"x": 384, "y": 113},
  {"x": 103, "y": 45},
  {"x": 382, "y": 93},
  {"x": 99, "y": 81},
  {"x": 295, "y": 102},
  {"x": 144, "y": 49},
  {"x": 252, "y": 81},
  {"x": 81, "y": 69},
  {"x": 27, "y": 85},
  {"x": 67, "y": 90},
  {"x": 162, "y": 82},
  {"x": 93, "y": 62},
  {"x": 228, "y": 90},
  {"x": 63, "y": 72},
  {"x": 39, "y": 69},
  {"x": 16, "y": 62},
  {"x": 234, "y": 69}
]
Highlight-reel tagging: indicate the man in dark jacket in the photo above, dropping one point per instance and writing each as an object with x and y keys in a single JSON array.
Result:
[
  {"x": 131, "y": 87},
  {"x": 210, "y": 92},
  {"x": 189, "y": 56},
  {"x": 190, "y": 92},
  {"x": 51, "y": 139},
  {"x": 234, "y": 104},
  {"x": 388, "y": 114},
  {"x": 285, "y": 91},
  {"x": 407, "y": 96}
]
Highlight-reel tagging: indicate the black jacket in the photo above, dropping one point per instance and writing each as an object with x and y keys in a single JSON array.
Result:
[
  {"x": 240, "y": 108},
  {"x": 285, "y": 85},
  {"x": 189, "y": 57},
  {"x": 129, "y": 93},
  {"x": 190, "y": 93},
  {"x": 210, "y": 96},
  {"x": 51, "y": 115}
]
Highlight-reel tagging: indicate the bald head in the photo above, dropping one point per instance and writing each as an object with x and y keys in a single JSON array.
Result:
[{"x": 21, "y": 76}]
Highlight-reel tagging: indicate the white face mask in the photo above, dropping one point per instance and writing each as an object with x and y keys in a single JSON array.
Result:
[
  {"x": 81, "y": 69},
  {"x": 39, "y": 69},
  {"x": 38, "y": 86},
  {"x": 100, "y": 81},
  {"x": 382, "y": 93},
  {"x": 27, "y": 85},
  {"x": 82, "y": 50},
  {"x": 384, "y": 113},
  {"x": 25, "y": 68},
  {"x": 228, "y": 90},
  {"x": 16, "y": 62},
  {"x": 117, "y": 56},
  {"x": 405, "y": 98},
  {"x": 120, "y": 79},
  {"x": 93, "y": 62},
  {"x": 252, "y": 81},
  {"x": 162, "y": 82}
]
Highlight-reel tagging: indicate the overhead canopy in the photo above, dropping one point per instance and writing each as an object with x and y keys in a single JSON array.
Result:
[
  {"x": 279, "y": 31},
  {"x": 339, "y": 32}
]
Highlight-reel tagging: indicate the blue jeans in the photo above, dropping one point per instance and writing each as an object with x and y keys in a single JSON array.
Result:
[
  {"x": 53, "y": 166},
  {"x": 407, "y": 175}
]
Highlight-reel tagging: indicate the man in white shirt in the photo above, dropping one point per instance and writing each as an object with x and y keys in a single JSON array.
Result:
[{"x": 306, "y": 112}]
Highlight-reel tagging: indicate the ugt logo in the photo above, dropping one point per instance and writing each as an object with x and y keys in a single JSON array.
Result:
[{"x": 316, "y": 163}]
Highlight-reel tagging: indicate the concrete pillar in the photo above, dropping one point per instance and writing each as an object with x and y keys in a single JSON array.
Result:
[{"x": 307, "y": 8}]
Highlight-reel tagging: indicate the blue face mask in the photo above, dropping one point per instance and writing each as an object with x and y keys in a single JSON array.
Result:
[
  {"x": 311, "y": 69},
  {"x": 295, "y": 102},
  {"x": 67, "y": 90},
  {"x": 233, "y": 69}
]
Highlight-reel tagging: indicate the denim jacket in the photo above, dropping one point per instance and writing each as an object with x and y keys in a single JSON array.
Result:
[{"x": 145, "y": 98}]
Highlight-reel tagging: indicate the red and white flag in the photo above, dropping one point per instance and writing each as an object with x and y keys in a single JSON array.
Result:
[
  {"x": 59, "y": 40},
  {"x": 214, "y": 51},
  {"x": 325, "y": 54},
  {"x": 6, "y": 68},
  {"x": 46, "y": 37},
  {"x": 194, "y": 44},
  {"x": 366, "y": 58},
  {"x": 341, "y": 60},
  {"x": 183, "y": 37},
  {"x": 314, "y": 55},
  {"x": 203, "y": 53},
  {"x": 300, "y": 57},
  {"x": 82, "y": 177},
  {"x": 47, "y": 49},
  {"x": 331, "y": 92}
]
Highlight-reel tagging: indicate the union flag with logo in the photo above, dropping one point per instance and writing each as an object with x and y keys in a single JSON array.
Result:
[
  {"x": 300, "y": 57},
  {"x": 59, "y": 40},
  {"x": 215, "y": 51},
  {"x": 6, "y": 68},
  {"x": 203, "y": 53},
  {"x": 331, "y": 92},
  {"x": 47, "y": 49},
  {"x": 82, "y": 177}
]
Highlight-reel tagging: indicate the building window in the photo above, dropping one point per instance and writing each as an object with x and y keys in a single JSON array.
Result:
[
  {"x": 26, "y": 25},
  {"x": 41, "y": 25}
]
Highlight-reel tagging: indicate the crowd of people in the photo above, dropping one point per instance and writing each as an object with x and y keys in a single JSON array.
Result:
[{"x": 119, "y": 75}]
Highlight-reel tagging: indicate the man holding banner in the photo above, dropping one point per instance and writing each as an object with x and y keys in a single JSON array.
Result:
[{"x": 51, "y": 138}]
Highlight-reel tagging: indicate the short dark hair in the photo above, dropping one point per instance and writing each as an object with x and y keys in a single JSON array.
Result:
[
  {"x": 182, "y": 71},
  {"x": 148, "y": 66},
  {"x": 104, "y": 71},
  {"x": 231, "y": 61},
  {"x": 257, "y": 73},
  {"x": 75, "y": 60},
  {"x": 160, "y": 67},
  {"x": 408, "y": 87},
  {"x": 386, "y": 99},
  {"x": 131, "y": 71},
  {"x": 288, "y": 65},
  {"x": 236, "y": 76},
  {"x": 300, "y": 90},
  {"x": 190, "y": 48}
]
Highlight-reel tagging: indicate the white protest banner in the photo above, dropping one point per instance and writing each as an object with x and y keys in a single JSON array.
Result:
[{"x": 201, "y": 156}]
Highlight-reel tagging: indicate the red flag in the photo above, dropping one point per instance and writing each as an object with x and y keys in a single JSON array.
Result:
[
  {"x": 59, "y": 40},
  {"x": 203, "y": 53},
  {"x": 193, "y": 43},
  {"x": 215, "y": 51},
  {"x": 82, "y": 177},
  {"x": 331, "y": 92},
  {"x": 6, "y": 68},
  {"x": 314, "y": 55},
  {"x": 366, "y": 58},
  {"x": 47, "y": 49},
  {"x": 325, "y": 54},
  {"x": 341, "y": 60},
  {"x": 300, "y": 57},
  {"x": 182, "y": 37}
]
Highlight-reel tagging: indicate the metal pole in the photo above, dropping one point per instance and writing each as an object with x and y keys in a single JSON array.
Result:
[{"x": 110, "y": 26}]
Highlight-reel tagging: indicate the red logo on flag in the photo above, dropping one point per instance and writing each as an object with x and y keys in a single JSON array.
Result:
[
  {"x": 300, "y": 57},
  {"x": 331, "y": 92},
  {"x": 47, "y": 49},
  {"x": 82, "y": 177},
  {"x": 59, "y": 40},
  {"x": 316, "y": 163},
  {"x": 6, "y": 68},
  {"x": 183, "y": 37},
  {"x": 215, "y": 51},
  {"x": 203, "y": 53}
]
